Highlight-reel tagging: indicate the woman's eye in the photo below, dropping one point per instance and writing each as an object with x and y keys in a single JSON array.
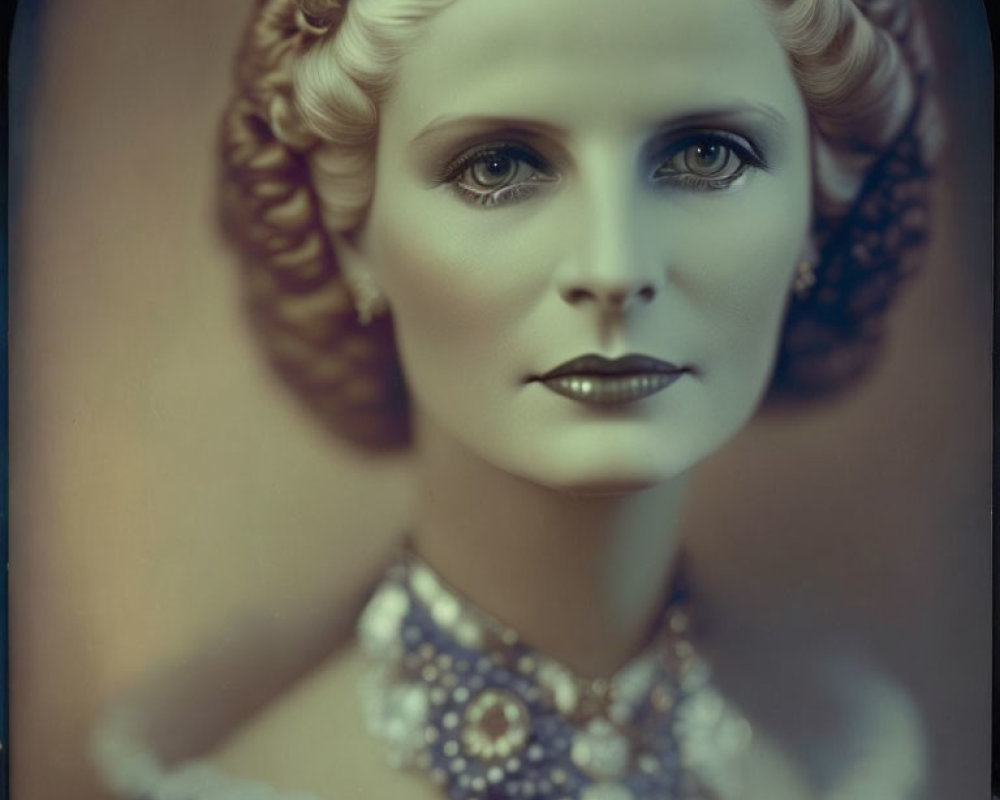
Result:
[
  {"x": 498, "y": 175},
  {"x": 707, "y": 162}
]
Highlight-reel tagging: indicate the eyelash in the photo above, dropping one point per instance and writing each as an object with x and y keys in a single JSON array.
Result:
[
  {"x": 734, "y": 147},
  {"x": 457, "y": 175}
]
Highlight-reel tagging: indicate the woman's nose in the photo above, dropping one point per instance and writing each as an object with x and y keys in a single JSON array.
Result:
[
  {"x": 609, "y": 296},
  {"x": 612, "y": 252}
]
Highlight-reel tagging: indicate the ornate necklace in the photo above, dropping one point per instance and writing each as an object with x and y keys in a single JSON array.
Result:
[{"x": 457, "y": 694}]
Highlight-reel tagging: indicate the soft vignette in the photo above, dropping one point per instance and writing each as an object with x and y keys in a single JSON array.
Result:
[{"x": 167, "y": 502}]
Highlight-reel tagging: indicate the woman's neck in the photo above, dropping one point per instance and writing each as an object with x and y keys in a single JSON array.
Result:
[{"x": 580, "y": 577}]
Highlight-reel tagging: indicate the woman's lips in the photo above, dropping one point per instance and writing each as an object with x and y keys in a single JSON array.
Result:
[{"x": 602, "y": 381}]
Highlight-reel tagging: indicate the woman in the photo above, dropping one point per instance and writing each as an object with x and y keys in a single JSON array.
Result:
[{"x": 561, "y": 250}]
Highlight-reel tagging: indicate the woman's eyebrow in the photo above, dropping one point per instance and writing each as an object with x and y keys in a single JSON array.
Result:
[
  {"x": 760, "y": 114},
  {"x": 464, "y": 125}
]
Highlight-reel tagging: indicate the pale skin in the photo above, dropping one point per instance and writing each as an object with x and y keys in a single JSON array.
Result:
[
  {"x": 558, "y": 518},
  {"x": 551, "y": 506}
]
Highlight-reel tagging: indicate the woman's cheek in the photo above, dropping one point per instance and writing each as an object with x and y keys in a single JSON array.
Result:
[
  {"x": 463, "y": 269},
  {"x": 741, "y": 294}
]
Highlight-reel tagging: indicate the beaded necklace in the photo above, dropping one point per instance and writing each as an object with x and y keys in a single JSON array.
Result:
[{"x": 456, "y": 694}]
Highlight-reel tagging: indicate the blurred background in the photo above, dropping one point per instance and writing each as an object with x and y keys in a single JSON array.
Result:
[{"x": 177, "y": 524}]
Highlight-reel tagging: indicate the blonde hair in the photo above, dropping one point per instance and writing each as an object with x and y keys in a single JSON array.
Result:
[{"x": 298, "y": 158}]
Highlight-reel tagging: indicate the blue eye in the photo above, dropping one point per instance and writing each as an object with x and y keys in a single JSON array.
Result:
[
  {"x": 709, "y": 161},
  {"x": 498, "y": 175}
]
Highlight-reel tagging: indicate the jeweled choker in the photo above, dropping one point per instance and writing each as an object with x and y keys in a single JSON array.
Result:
[{"x": 457, "y": 694}]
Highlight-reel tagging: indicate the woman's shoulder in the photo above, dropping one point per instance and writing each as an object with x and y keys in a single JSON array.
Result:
[
  {"x": 315, "y": 716},
  {"x": 312, "y": 741}
]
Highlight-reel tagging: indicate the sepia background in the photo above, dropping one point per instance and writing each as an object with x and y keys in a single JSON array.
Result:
[{"x": 177, "y": 524}]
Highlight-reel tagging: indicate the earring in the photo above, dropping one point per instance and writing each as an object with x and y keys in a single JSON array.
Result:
[
  {"x": 369, "y": 302},
  {"x": 805, "y": 278}
]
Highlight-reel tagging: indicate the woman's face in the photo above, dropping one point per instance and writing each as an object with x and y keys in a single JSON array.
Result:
[{"x": 568, "y": 178}]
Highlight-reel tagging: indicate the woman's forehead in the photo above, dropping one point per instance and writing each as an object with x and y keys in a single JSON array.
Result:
[{"x": 566, "y": 60}]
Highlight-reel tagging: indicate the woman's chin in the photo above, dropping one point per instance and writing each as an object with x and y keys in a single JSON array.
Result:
[
  {"x": 617, "y": 488},
  {"x": 625, "y": 461},
  {"x": 592, "y": 480}
]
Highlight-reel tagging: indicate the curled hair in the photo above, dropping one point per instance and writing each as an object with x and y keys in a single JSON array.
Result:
[
  {"x": 305, "y": 114},
  {"x": 863, "y": 69},
  {"x": 298, "y": 162}
]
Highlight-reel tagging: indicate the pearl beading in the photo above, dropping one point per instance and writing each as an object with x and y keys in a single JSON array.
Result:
[{"x": 458, "y": 695}]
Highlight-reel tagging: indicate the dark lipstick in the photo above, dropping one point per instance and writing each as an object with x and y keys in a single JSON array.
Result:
[{"x": 597, "y": 380}]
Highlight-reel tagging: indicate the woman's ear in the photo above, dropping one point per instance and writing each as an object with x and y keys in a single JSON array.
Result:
[{"x": 369, "y": 301}]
